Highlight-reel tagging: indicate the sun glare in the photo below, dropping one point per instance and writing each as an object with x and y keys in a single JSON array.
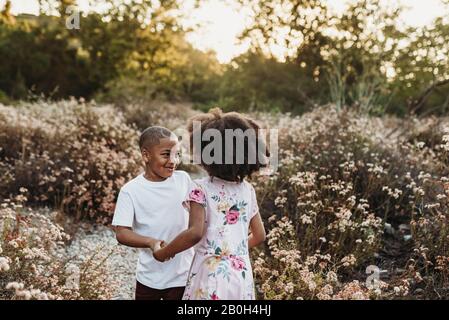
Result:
[{"x": 220, "y": 25}]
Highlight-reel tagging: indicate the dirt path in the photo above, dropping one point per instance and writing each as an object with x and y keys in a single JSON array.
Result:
[{"x": 122, "y": 263}]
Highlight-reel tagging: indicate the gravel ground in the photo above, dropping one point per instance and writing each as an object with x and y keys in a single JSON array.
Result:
[{"x": 122, "y": 263}]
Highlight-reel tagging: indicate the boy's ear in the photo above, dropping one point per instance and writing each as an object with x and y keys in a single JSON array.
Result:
[{"x": 146, "y": 155}]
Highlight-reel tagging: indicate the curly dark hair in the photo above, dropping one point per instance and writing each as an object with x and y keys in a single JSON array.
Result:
[{"x": 242, "y": 165}]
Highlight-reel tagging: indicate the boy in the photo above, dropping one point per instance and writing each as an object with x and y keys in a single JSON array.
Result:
[{"x": 149, "y": 210}]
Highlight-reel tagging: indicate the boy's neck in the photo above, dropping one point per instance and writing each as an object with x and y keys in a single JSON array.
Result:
[{"x": 151, "y": 176}]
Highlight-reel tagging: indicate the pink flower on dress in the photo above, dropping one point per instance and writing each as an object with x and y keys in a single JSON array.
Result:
[
  {"x": 213, "y": 296},
  {"x": 197, "y": 195},
  {"x": 237, "y": 263},
  {"x": 232, "y": 216}
]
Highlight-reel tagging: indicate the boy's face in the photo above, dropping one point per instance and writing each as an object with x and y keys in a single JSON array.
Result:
[{"x": 161, "y": 159}]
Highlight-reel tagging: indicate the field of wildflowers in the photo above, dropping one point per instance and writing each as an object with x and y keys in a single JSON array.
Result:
[
  {"x": 34, "y": 263},
  {"x": 355, "y": 193},
  {"x": 358, "y": 208}
]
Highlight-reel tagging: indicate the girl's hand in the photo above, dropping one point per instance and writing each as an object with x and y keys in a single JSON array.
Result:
[
  {"x": 158, "y": 255},
  {"x": 156, "y": 245},
  {"x": 161, "y": 254}
]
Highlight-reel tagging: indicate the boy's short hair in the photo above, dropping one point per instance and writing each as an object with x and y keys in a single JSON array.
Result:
[
  {"x": 220, "y": 121},
  {"x": 152, "y": 136}
]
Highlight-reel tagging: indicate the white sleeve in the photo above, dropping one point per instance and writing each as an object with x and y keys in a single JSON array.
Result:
[
  {"x": 254, "y": 208},
  {"x": 187, "y": 177},
  {"x": 124, "y": 210}
]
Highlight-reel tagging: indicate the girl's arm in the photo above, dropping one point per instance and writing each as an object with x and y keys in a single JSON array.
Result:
[
  {"x": 127, "y": 237},
  {"x": 186, "y": 239},
  {"x": 258, "y": 234}
]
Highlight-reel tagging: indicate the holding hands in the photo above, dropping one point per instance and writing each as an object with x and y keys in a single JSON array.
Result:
[
  {"x": 159, "y": 253},
  {"x": 156, "y": 245}
]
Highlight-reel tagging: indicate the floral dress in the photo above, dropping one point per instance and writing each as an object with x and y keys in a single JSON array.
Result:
[{"x": 221, "y": 267}]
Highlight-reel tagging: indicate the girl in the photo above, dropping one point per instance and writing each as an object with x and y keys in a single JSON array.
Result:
[{"x": 223, "y": 209}]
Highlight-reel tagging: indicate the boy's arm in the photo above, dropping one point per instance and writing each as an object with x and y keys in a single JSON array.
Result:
[
  {"x": 186, "y": 239},
  {"x": 258, "y": 234},
  {"x": 124, "y": 219},
  {"x": 127, "y": 237}
]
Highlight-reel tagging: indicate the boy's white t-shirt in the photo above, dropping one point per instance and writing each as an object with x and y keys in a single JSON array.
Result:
[{"x": 155, "y": 209}]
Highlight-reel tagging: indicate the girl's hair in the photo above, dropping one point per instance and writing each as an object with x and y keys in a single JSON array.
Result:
[{"x": 235, "y": 171}]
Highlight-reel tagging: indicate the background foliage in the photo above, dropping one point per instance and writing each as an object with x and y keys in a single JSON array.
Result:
[{"x": 363, "y": 58}]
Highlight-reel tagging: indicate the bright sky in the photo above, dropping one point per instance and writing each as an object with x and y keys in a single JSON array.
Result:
[{"x": 221, "y": 22}]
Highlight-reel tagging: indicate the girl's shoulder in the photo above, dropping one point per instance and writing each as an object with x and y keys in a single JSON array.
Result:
[
  {"x": 217, "y": 183},
  {"x": 247, "y": 185},
  {"x": 201, "y": 181}
]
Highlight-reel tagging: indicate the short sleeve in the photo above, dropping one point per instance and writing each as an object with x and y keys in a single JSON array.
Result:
[
  {"x": 124, "y": 210},
  {"x": 254, "y": 207},
  {"x": 196, "y": 194}
]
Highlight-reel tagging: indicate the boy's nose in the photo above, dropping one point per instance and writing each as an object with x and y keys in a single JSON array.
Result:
[{"x": 174, "y": 159}]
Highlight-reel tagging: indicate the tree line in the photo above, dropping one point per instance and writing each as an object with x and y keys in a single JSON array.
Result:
[{"x": 363, "y": 58}]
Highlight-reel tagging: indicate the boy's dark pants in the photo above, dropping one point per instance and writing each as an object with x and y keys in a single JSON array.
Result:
[{"x": 145, "y": 293}]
